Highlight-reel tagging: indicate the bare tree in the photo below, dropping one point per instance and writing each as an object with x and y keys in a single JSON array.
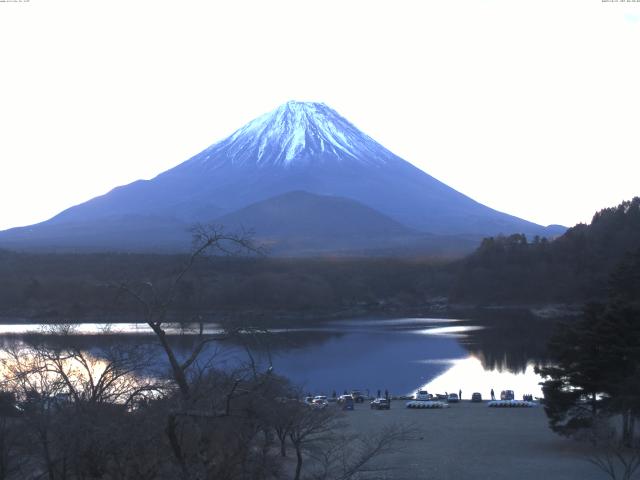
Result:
[
  {"x": 349, "y": 456},
  {"x": 111, "y": 374},
  {"x": 618, "y": 458},
  {"x": 323, "y": 443},
  {"x": 309, "y": 427},
  {"x": 156, "y": 304},
  {"x": 74, "y": 401},
  {"x": 282, "y": 422},
  {"x": 26, "y": 376},
  {"x": 11, "y": 438}
]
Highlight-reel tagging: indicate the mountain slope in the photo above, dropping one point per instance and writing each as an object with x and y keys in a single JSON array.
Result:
[
  {"x": 134, "y": 233},
  {"x": 303, "y": 214},
  {"x": 297, "y": 147},
  {"x": 298, "y": 223}
]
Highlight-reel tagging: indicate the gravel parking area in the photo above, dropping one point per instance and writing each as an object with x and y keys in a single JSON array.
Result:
[{"x": 472, "y": 441}]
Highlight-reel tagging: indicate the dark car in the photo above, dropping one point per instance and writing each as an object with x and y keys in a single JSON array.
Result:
[
  {"x": 346, "y": 402},
  {"x": 507, "y": 395},
  {"x": 476, "y": 397},
  {"x": 381, "y": 404}
]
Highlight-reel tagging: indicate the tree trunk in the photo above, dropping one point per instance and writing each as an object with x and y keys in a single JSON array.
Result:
[
  {"x": 299, "y": 462},
  {"x": 172, "y": 434},
  {"x": 47, "y": 455},
  {"x": 4, "y": 453},
  {"x": 178, "y": 373},
  {"x": 626, "y": 429}
]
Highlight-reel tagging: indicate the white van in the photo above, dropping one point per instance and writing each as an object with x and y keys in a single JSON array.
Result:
[{"x": 423, "y": 395}]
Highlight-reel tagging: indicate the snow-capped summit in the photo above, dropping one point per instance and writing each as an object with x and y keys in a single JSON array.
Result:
[{"x": 292, "y": 133}]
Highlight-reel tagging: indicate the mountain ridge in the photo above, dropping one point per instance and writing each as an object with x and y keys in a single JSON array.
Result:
[{"x": 299, "y": 146}]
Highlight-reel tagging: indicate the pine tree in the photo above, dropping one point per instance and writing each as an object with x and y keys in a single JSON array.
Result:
[{"x": 596, "y": 371}]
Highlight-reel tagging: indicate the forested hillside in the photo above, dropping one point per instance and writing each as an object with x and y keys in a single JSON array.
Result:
[
  {"x": 572, "y": 268},
  {"x": 74, "y": 287}
]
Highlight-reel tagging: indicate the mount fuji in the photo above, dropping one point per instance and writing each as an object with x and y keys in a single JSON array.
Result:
[{"x": 303, "y": 177}]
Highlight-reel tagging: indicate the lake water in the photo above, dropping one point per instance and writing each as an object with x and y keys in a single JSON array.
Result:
[{"x": 399, "y": 355}]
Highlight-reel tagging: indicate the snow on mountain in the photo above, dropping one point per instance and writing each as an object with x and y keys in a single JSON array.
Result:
[{"x": 294, "y": 132}]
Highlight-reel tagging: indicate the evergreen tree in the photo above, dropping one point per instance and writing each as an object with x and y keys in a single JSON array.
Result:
[
  {"x": 574, "y": 389},
  {"x": 572, "y": 268},
  {"x": 597, "y": 361}
]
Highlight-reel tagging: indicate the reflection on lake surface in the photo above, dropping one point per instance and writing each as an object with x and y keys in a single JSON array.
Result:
[
  {"x": 469, "y": 375},
  {"x": 399, "y": 355},
  {"x": 97, "y": 329}
]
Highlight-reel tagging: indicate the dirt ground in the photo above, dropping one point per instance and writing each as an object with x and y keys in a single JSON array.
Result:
[{"x": 472, "y": 441}]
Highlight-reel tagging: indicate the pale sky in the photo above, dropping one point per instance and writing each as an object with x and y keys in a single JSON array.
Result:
[{"x": 530, "y": 107}]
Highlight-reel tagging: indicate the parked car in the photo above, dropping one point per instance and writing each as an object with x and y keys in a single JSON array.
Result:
[
  {"x": 357, "y": 396},
  {"x": 453, "y": 398},
  {"x": 476, "y": 397},
  {"x": 319, "y": 403},
  {"x": 423, "y": 395},
  {"x": 346, "y": 402},
  {"x": 507, "y": 395},
  {"x": 380, "y": 404}
]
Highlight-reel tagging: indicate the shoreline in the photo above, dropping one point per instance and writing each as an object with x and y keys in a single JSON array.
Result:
[{"x": 282, "y": 318}]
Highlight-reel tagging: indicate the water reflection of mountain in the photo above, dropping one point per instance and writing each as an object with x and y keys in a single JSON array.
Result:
[{"x": 509, "y": 340}]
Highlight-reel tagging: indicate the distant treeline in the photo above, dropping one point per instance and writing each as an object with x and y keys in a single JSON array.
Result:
[
  {"x": 505, "y": 270},
  {"x": 573, "y": 268},
  {"x": 75, "y": 287}
]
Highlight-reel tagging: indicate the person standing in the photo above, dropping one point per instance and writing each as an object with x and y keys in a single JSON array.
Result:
[
  {"x": 460, "y": 394},
  {"x": 386, "y": 394},
  {"x": 378, "y": 394},
  {"x": 493, "y": 395}
]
